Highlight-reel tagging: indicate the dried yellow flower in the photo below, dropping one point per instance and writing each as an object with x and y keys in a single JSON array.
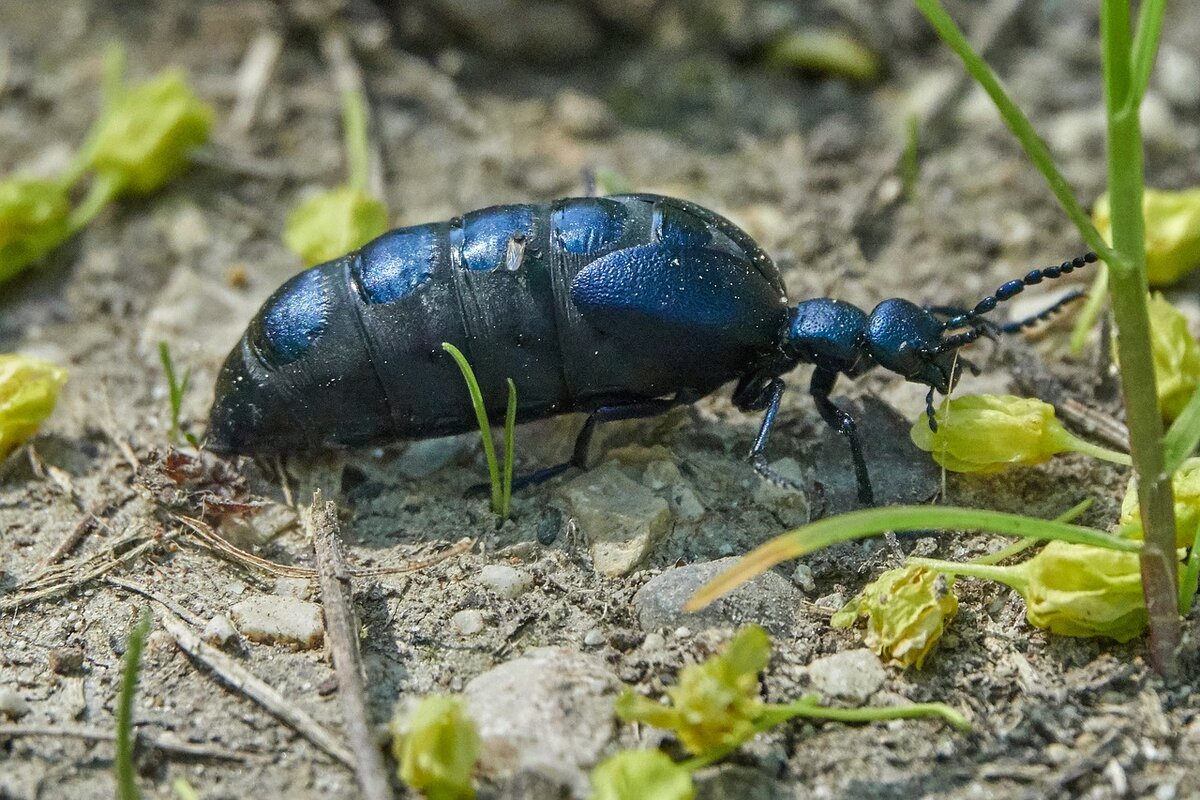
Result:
[
  {"x": 330, "y": 224},
  {"x": 988, "y": 433},
  {"x": 906, "y": 610},
  {"x": 143, "y": 138},
  {"x": 640, "y": 774},
  {"x": 1176, "y": 357},
  {"x": 34, "y": 219},
  {"x": 715, "y": 703},
  {"x": 436, "y": 746},
  {"x": 28, "y": 391},
  {"x": 1172, "y": 232},
  {"x": 1186, "y": 485}
]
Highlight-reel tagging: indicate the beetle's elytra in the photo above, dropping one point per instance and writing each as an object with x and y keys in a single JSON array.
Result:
[{"x": 617, "y": 306}]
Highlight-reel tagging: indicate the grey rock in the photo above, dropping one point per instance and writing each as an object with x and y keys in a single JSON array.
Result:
[
  {"x": 422, "y": 459},
  {"x": 684, "y": 503},
  {"x": 769, "y": 600},
  {"x": 504, "y": 580},
  {"x": 549, "y": 709},
  {"x": 735, "y": 782},
  {"x": 620, "y": 517},
  {"x": 852, "y": 675},
  {"x": 788, "y": 504},
  {"x": 803, "y": 577},
  {"x": 279, "y": 620},
  {"x": 543, "y": 782}
]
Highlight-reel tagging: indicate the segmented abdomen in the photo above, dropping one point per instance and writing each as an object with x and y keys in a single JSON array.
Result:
[{"x": 349, "y": 352}]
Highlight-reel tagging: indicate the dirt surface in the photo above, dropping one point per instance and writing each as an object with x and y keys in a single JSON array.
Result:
[{"x": 469, "y": 113}]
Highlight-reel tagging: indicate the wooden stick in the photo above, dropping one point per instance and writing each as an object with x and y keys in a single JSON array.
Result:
[
  {"x": 188, "y": 749},
  {"x": 336, "y": 597},
  {"x": 245, "y": 682}
]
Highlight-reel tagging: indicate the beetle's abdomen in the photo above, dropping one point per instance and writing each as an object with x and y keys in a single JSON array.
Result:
[{"x": 349, "y": 352}]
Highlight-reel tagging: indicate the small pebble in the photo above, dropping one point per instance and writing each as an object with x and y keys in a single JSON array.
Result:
[
  {"x": 582, "y": 115},
  {"x": 293, "y": 587},
  {"x": 284, "y": 620},
  {"x": 654, "y": 641},
  {"x": 65, "y": 660},
  {"x": 852, "y": 675},
  {"x": 467, "y": 622},
  {"x": 504, "y": 580},
  {"x": 593, "y": 638},
  {"x": 661, "y": 474},
  {"x": 802, "y": 576},
  {"x": 219, "y": 631},
  {"x": 12, "y": 704},
  {"x": 683, "y": 632},
  {"x": 684, "y": 503}
]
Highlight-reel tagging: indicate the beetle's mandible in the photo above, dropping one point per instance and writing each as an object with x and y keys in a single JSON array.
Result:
[{"x": 619, "y": 307}]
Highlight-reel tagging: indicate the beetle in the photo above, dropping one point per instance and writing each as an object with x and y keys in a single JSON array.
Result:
[{"x": 619, "y": 307}]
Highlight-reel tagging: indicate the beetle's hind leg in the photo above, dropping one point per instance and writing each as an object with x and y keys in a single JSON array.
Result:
[
  {"x": 583, "y": 441},
  {"x": 754, "y": 396}
]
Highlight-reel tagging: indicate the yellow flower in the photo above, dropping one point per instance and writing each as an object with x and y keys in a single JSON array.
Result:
[
  {"x": 333, "y": 223},
  {"x": 639, "y": 775},
  {"x": 1070, "y": 589},
  {"x": 436, "y": 747},
  {"x": 143, "y": 138},
  {"x": 1186, "y": 485},
  {"x": 906, "y": 611},
  {"x": 33, "y": 221},
  {"x": 28, "y": 390},
  {"x": 1172, "y": 232},
  {"x": 988, "y": 433},
  {"x": 1176, "y": 357},
  {"x": 714, "y": 703}
]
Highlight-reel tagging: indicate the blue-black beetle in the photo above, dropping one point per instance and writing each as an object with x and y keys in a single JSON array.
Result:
[{"x": 619, "y": 306}]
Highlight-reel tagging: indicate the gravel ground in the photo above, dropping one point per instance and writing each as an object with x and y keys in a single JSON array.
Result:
[{"x": 541, "y": 621}]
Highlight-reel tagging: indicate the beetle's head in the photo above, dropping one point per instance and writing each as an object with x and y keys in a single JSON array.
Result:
[{"x": 906, "y": 339}]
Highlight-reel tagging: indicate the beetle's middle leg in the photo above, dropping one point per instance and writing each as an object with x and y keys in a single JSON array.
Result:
[
  {"x": 609, "y": 413},
  {"x": 843, "y": 423}
]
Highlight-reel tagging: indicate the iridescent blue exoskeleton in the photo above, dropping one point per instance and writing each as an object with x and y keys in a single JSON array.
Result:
[{"x": 619, "y": 307}]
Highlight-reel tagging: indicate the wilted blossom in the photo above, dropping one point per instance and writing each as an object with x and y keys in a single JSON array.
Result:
[
  {"x": 28, "y": 391},
  {"x": 330, "y": 224},
  {"x": 988, "y": 433},
  {"x": 34, "y": 219},
  {"x": 436, "y": 746},
  {"x": 639, "y": 775},
  {"x": 1172, "y": 232},
  {"x": 715, "y": 703},
  {"x": 1186, "y": 488},
  {"x": 906, "y": 610}
]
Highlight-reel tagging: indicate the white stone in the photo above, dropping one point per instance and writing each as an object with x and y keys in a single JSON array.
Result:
[
  {"x": 12, "y": 704},
  {"x": 219, "y": 631},
  {"x": 593, "y": 638},
  {"x": 550, "y": 706},
  {"x": 684, "y": 503},
  {"x": 276, "y": 619},
  {"x": 505, "y": 581},
  {"x": 467, "y": 622},
  {"x": 1177, "y": 76},
  {"x": 853, "y": 675}
]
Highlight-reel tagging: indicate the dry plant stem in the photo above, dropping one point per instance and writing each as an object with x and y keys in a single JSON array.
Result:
[
  {"x": 243, "y": 681},
  {"x": 253, "y": 77},
  {"x": 334, "y": 578},
  {"x": 348, "y": 78},
  {"x": 185, "y": 749},
  {"x": 1127, "y": 279}
]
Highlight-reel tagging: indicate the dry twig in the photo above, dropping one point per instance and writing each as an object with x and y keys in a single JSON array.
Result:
[
  {"x": 245, "y": 682},
  {"x": 336, "y": 597},
  {"x": 187, "y": 749},
  {"x": 253, "y": 77}
]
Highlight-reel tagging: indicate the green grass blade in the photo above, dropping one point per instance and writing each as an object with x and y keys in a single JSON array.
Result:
[
  {"x": 123, "y": 763},
  {"x": 1016, "y": 120},
  {"x": 510, "y": 424},
  {"x": 1191, "y": 576},
  {"x": 354, "y": 122},
  {"x": 175, "y": 388},
  {"x": 910, "y": 166},
  {"x": 1145, "y": 46},
  {"x": 1183, "y": 437},
  {"x": 1021, "y": 545},
  {"x": 485, "y": 428},
  {"x": 1097, "y": 296},
  {"x": 874, "y": 521}
]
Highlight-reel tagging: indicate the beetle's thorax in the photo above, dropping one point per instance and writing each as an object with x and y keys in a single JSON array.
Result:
[{"x": 830, "y": 334}]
